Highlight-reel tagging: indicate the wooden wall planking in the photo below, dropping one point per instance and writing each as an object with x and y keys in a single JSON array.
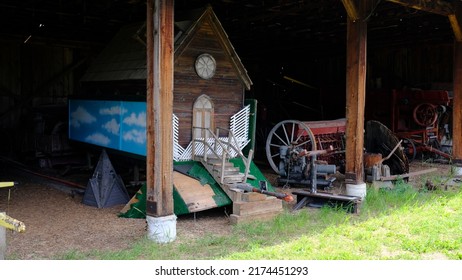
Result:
[
  {"x": 10, "y": 69},
  {"x": 41, "y": 64},
  {"x": 410, "y": 66},
  {"x": 225, "y": 88}
]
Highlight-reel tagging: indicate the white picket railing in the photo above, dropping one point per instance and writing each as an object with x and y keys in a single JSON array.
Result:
[
  {"x": 239, "y": 123},
  {"x": 239, "y": 126},
  {"x": 177, "y": 149}
]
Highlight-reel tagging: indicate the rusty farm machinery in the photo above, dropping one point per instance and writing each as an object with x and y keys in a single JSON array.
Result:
[
  {"x": 302, "y": 158},
  {"x": 309, "y": 154},
  {"x": 294, "y": 149},
  {"x": 421, "y": 118}
]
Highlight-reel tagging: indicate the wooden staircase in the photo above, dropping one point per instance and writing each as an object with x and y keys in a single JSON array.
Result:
[
  {"x": 223, "y": 172},
  {"x": 247, "y": 206}
]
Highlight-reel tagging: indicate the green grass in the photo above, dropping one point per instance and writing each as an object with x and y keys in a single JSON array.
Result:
[{"x": 402, "y": 223}]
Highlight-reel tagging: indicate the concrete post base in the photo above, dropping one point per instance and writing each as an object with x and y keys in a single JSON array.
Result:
[
  {"x": 382, "y": 185},
  {"x": 162, "y": 229},
  {"x": 2, "y": 242},
  {"x": 356, "y": 190}
]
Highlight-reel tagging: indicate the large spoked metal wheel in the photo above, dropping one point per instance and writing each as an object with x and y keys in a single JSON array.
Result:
[
  {"x": 425, "y": 114},
  {"x": 289, "y": 133}
]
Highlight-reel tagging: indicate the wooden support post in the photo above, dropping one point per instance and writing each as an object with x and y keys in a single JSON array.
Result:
[
  {"x": 457, "y": 104},
  {"x": 355, "y": 96},
  {"x": 159, "y": 160},
  {"x": 456, "y": 19}
]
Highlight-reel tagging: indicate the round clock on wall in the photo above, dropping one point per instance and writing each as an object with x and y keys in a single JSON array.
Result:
[{"x": 205, "y": 66}]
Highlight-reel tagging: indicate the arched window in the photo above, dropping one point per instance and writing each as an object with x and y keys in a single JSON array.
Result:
[{"x": 202, "y": 116}]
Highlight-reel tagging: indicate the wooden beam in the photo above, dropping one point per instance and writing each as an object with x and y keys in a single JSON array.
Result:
[
  {"x": 455, "y": 20},
  {"x": 353, "y": 12},
  {"x": 407, "y": 175},
  {"x": 456, "y": 27},
  {"x": 439, "y": 7},
  {"x": 457, "y": 104},
  {"x": 159, "y": 159},
  {"x": 355, "y": 96},
  {"x": 351, "y": 9}
]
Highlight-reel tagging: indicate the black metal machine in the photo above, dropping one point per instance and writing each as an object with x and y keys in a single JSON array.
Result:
[
  {"x": 292, "y": 145},
  {"x": 291, "y": 152},
  {"x": 300, "y": 167}
]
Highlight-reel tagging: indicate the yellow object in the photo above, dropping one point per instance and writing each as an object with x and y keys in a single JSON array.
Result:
[
  {"x": 5, "y": 220},
  {"x": 11, "y": 223},
  {"x": 6, "y": 184}
]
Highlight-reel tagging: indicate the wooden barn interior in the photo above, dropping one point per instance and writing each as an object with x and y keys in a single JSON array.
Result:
[{"x": 359, "y": 60}]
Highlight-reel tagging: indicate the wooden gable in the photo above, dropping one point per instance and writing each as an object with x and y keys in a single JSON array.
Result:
[
  {"x": 121, "y": 69},
  {"x": 124, "y": 58},
  {"x": 209, "y": 28},
  {"x": 225, "y": 89}
]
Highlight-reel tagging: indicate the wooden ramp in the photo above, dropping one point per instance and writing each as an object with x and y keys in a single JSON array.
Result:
[{"x": 196, "y": 196}]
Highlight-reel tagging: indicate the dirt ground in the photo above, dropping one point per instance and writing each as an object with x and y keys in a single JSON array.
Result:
[{"x": 57, "y": 222}]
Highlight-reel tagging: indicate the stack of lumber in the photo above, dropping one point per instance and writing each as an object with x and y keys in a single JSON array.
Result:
[{"x": 252, "y": 206}]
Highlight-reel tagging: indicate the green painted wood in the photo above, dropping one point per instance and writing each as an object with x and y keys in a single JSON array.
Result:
[
  {"x": 179, "y": 206},
  {"x": 255, "y": 171},
  {"x": 199, "y": 172},
  {"x": 196, "y": 170}
]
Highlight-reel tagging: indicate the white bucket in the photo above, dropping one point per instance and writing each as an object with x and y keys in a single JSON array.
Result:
[
  {"x": 356, "y": 190},
  {"x": 162, "y": 229},
  {"x": 457, "y": 171}
]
